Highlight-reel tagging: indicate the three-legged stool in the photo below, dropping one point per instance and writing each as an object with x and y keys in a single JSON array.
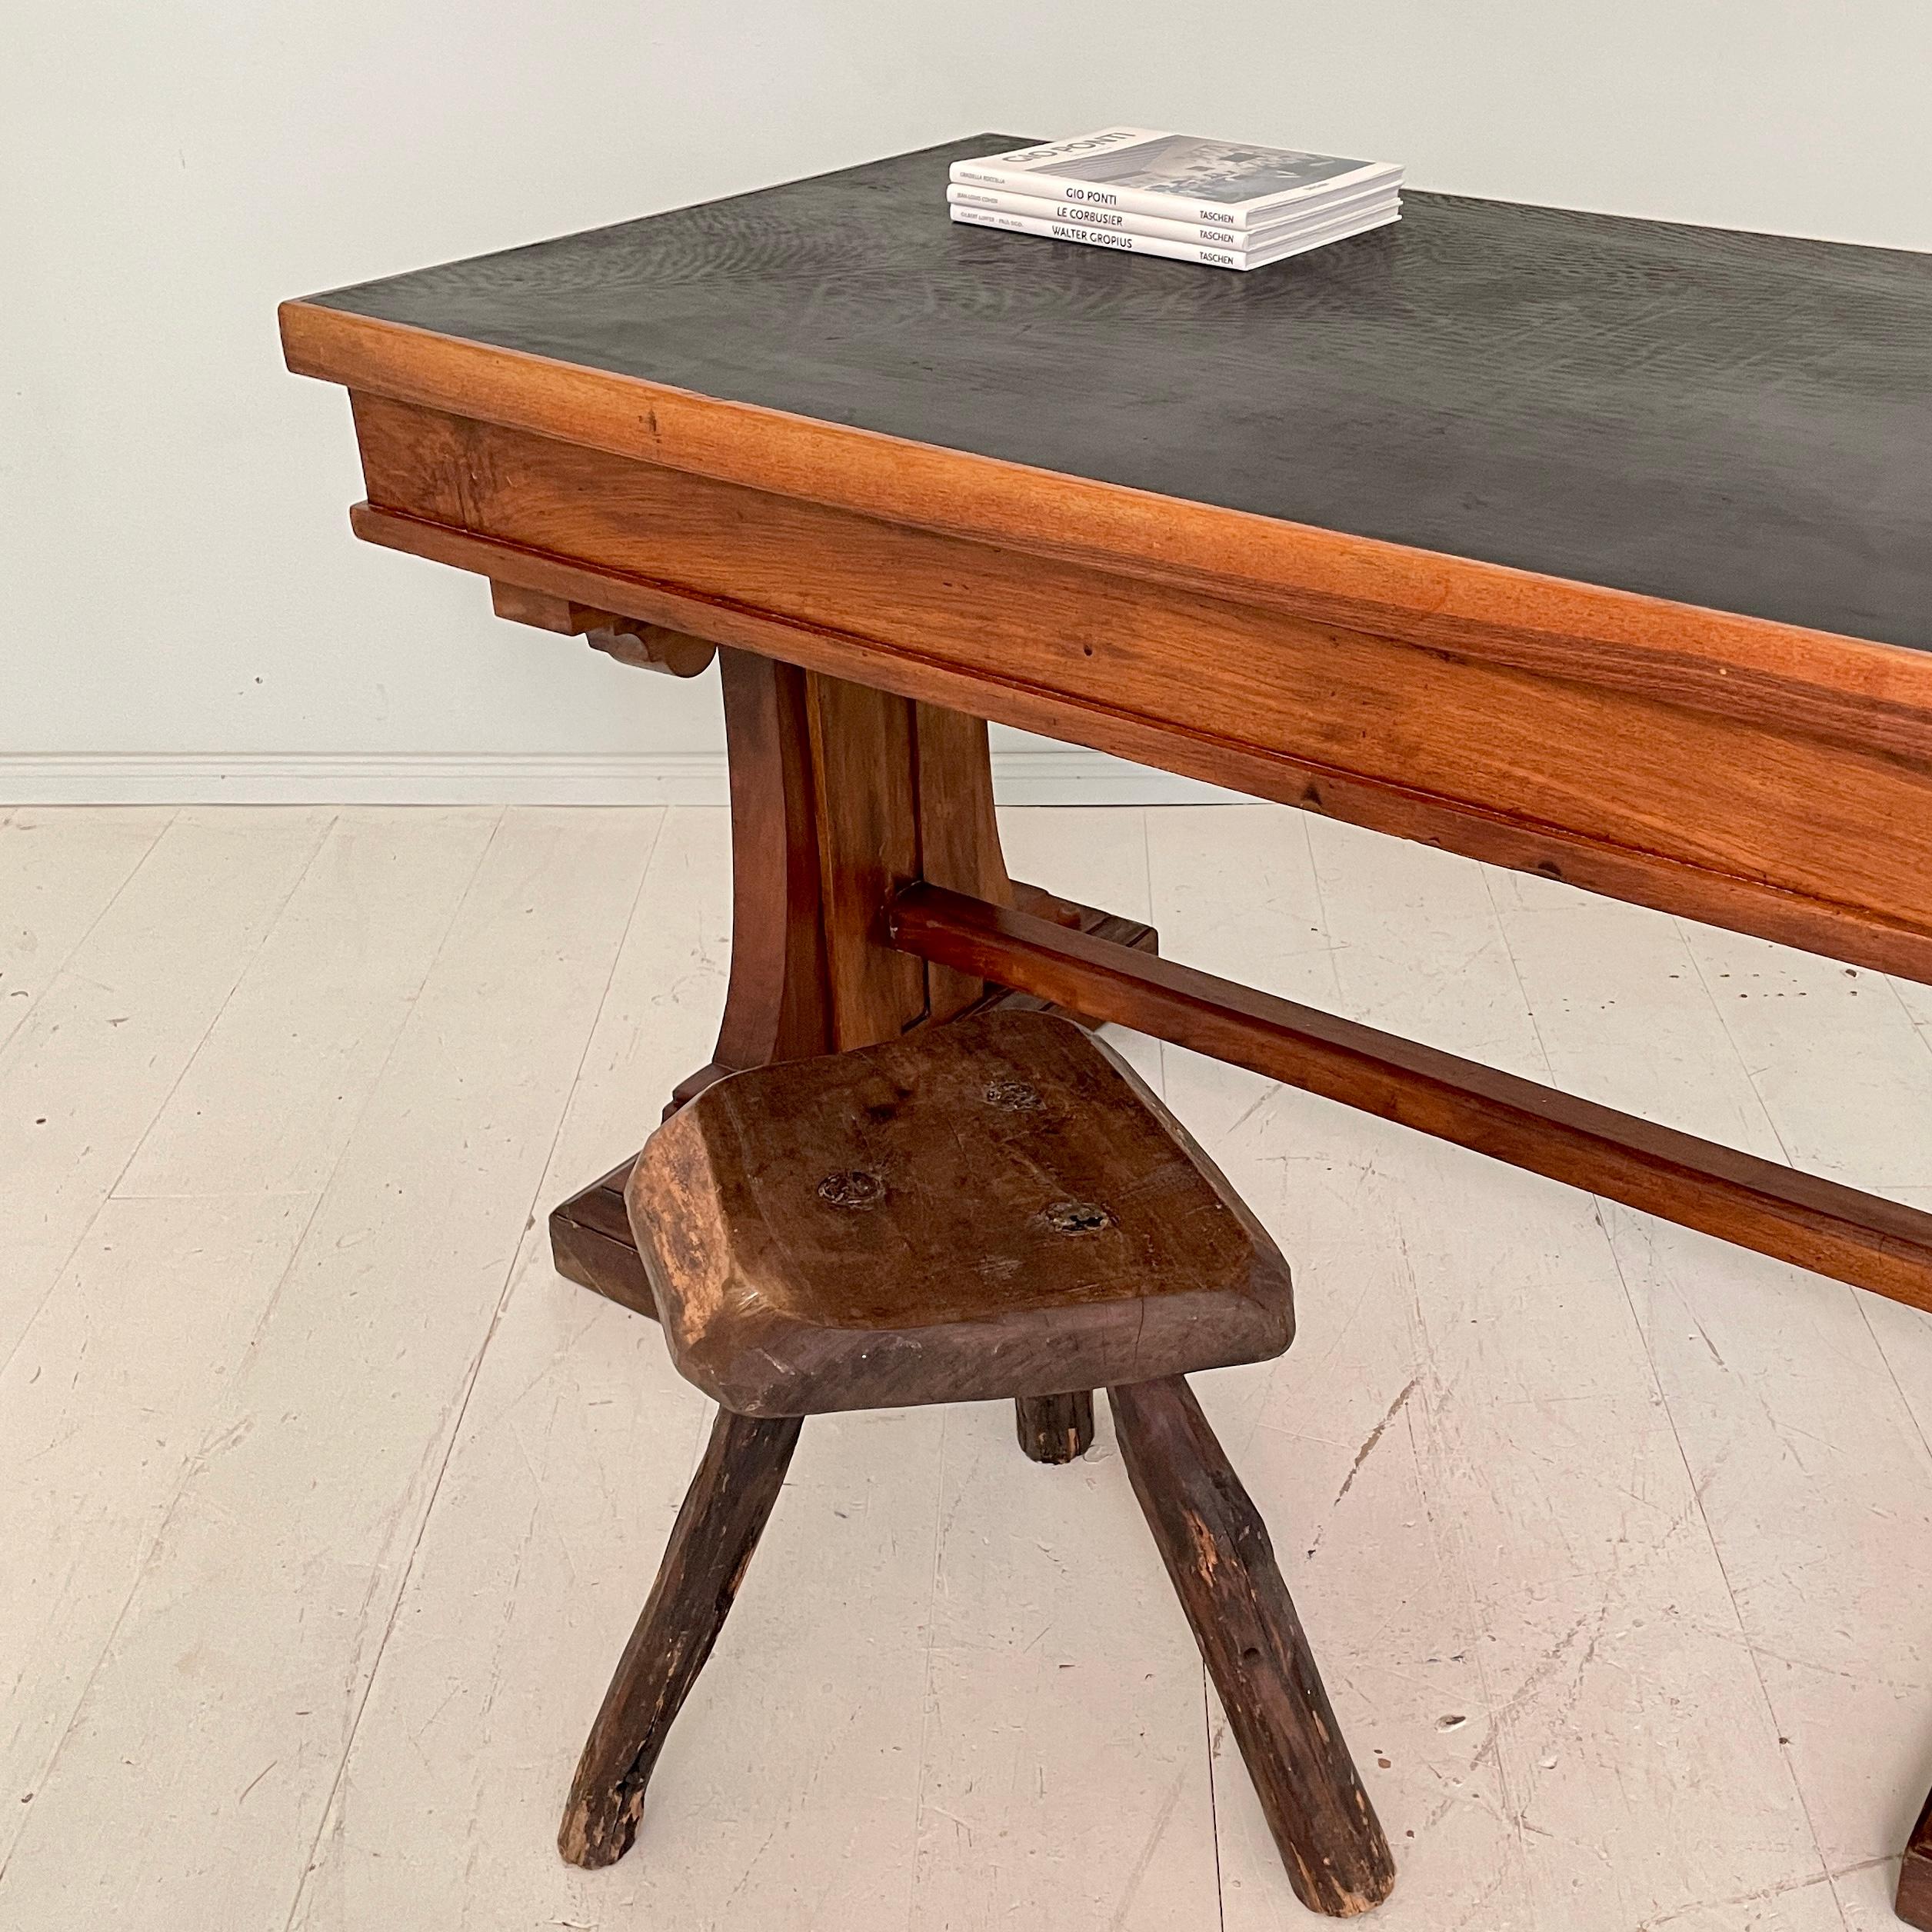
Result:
[{"x": 993, "y": 1209}]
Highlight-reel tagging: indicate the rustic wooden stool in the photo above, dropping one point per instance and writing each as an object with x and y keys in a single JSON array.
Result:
[{"x": 994, "y": 1209}]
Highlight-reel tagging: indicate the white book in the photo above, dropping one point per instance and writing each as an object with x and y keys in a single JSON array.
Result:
[
  {"x": 1313, "y": 237},
  {"x": 1176, "y": 177},
  {"x": 998, "y": 202}
]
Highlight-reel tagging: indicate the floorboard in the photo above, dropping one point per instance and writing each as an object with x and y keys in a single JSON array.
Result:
[
  {"x": 95, "y": 1060},
  {"x": 321, "y": 1005},
  {"x": 213, "y": 1732},
  {"x": 59, "y": 872}
]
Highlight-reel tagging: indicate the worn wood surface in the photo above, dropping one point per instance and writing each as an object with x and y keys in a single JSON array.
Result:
[
  {"x": 1624, "y": 787},
  {"x": 1734, "y": 420},
  {"x": 994, "y": 1207},
  {"x": 1216, "y": 1548},
  {"x": 1055, "y": 1428},
  {"x": 590, "y": 1232},
  {"x": 1882, "y": 1245},
  {"x": 711, "y": 1547}
]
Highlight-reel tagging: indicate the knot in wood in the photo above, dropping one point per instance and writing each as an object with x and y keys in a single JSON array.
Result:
[
  {"x": 852, "y": 1188},
  {"x": 1077, "y": 1218},
  {"x": 1014, "y": 1095}
]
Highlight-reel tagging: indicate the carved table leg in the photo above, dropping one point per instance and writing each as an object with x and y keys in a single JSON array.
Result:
[
  {"x": 711, "y": 1544},
  {"x": 1914, "y": 1903},
  {"x": 1216, "y": 1551},
  {"x": 1055, "y": 1428}
]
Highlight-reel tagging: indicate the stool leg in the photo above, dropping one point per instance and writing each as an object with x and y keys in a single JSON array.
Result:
[
  {"x": 1216, "y": 1547},
  {"x": 1055, "y": 1428},
  {"x": 711, "y": 1545}
]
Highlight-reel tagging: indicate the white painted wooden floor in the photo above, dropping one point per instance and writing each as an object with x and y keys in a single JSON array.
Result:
[{"x": 327, "y": 1505}]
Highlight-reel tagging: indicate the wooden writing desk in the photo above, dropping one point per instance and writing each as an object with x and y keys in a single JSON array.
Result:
[{"x": 1597, "y": 548}]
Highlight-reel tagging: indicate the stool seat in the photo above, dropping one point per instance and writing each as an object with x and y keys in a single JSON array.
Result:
[{"x": 995, "y": 1207}]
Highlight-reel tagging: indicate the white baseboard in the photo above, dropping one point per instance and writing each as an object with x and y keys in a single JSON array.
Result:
[
  {"x": 1069, "y": 777},
  {"x": 209, "y": 779}
]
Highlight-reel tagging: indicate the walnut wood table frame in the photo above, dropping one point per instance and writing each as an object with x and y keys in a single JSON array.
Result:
[{"x": 1600, "y": 549}]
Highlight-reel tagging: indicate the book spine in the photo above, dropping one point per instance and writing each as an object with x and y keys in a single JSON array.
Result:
[
  {"x": 1097, "y": 237},
  {"x": 1078, "y": 215},
  {"x": 1140, "y": 201},
  {"x": 1249, "y": 239}
]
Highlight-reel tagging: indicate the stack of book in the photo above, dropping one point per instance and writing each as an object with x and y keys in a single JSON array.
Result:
[{"x": 1223, "y": 202}]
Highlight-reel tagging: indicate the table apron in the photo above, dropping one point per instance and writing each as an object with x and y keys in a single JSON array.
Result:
[{"x": 1786, "y": 831}]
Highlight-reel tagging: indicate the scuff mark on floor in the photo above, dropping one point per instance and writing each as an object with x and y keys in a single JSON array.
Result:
[{"x": 1364, "y": 1452}]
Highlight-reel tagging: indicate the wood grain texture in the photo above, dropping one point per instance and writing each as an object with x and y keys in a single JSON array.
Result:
[
  {"x": 959, "y": 837},
  {"x": 460, "y": 469},
  {"x": 865, "y": 788},
  {"x": 711, "y": 1547},
  {"x": 995, "y": 1207},
  {"x": 1055, "y": 1428},
  {"x": 1789, "y": 829},
  {"x": 1735, "y": 421},
  {"x": 590, "y": 1232},
  {"x": 1218, "y": 1556},
  {"x": 840, "y": 794},
  {"x": 778, "y": 1003},
  {"x": 591, "y": 1241},
  {"x": 1837, "y": 1231}
]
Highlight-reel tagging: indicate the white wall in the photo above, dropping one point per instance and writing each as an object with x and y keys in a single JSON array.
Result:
[{"x": 179, "y": 577}]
